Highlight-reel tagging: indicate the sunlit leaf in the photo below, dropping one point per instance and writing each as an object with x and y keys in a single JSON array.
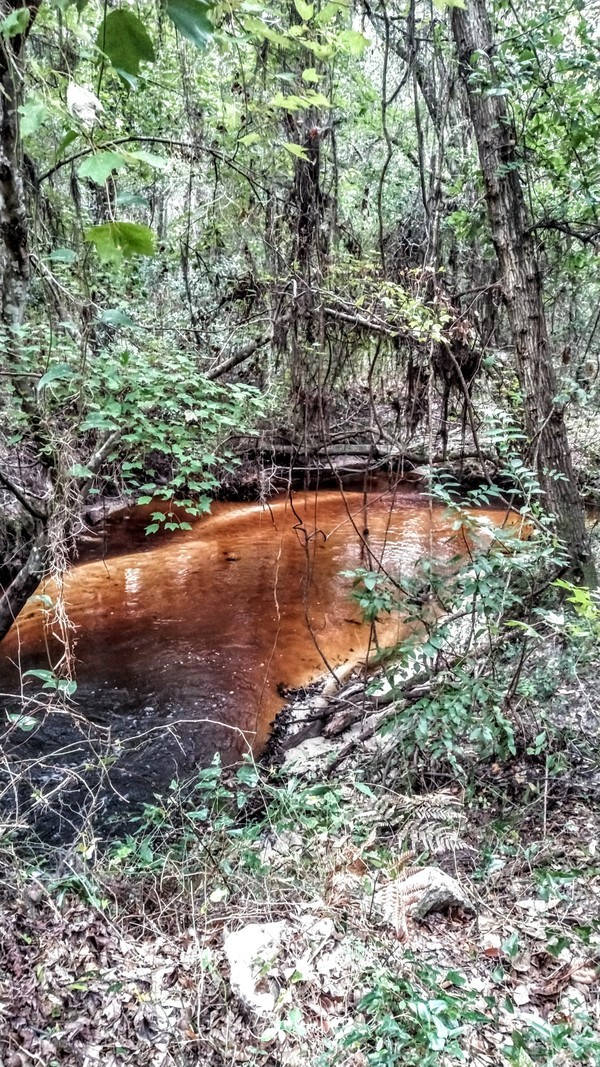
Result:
[
  {"x": 100, "y": 166},
  {"x": 295, "y": 150},
  {"x": 115, "y": 241},
  {"x": 150, "y": 158},
  {"x": 353, "y": 42},
  {"x": 15, "y": 23},
  {"x": 305, "y": 10}
]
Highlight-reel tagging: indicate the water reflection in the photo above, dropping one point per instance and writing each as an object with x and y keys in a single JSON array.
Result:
[{"x": 207, "y": 625}]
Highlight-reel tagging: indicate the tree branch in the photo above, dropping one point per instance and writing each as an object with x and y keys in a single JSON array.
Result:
[
  {"x": 239, "y": 356},
  {"x": 20, "y": 496}
]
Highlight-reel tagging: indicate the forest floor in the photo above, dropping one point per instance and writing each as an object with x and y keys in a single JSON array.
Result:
[{"x": 240, "y": 922}]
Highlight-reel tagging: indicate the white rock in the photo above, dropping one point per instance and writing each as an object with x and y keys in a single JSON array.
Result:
[{"x": 249, "y": 951}]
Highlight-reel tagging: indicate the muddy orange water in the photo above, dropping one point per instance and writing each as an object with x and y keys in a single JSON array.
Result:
[{"x": 201, "y": 628}]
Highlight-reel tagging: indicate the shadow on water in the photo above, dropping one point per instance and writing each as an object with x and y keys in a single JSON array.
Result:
[{"x": 183, "y": 644}]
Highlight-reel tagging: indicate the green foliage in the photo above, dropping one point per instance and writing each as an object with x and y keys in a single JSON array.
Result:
[
  {"x": 115, "y": 241},
  {"x": 15, "y": 23},
  {"x": 413, "y": 1020},
  {"x": 191, "y": 18},
  {"x": 123, "y": 38}
]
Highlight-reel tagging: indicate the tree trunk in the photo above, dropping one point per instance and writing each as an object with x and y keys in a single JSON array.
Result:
[
  {"x": 548, "y": 450},
  {"x": 15, "y": 272},
  {"x": 24, "y": 584},
  {"x": 14, "y": 253}
]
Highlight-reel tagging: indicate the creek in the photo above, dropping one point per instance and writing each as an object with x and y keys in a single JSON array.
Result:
[{"x": 186, "y": 641}]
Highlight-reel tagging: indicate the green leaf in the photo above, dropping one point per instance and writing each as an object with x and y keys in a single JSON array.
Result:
[
  {"x": 22, "y": 722},
  {"x": 152, "y": 528},
  {"x": 100, "y": 166},
  {"x": 62, "y": 255},
  {"x": 79, "y": 471},
  {"x": 442, "y": 5},
  {"x": 59, "y": 372},
  {"x": 353, "y": 42},
  {"x": 191, "y": 19},
  {"x": 152, "y": 160},
  {"x": 306, "y": 11},
  {"x": 114, "y": 317},
  {"x": 43, "y": 675},
  {"x": 115, "y": 241},
  {"x": 33, "y": 114},
  {"x": 310, "y": 75},
  {"x": 15, "y": 23},
  {"x": 300, "y": 103},
  {"x": 68, "y": 139},
  {"x": 250, "y": 138},
  {"x": 129, "y": 199},
  {"x": 98, "y": 420},
  {"x": 330, "y": 10},
  {"x": 124, "y": 40},
  {"x": 295, "y": 150}
]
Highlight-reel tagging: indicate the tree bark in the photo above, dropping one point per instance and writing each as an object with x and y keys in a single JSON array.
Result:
[
  {"x": 548, "y": 450},
  {"x": 14, "y": 252},
  {"x": 15, "y": 276},
  {"x": 24, "y": 584}
]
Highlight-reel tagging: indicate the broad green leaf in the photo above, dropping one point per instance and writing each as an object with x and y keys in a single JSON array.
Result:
[
  {"x": 79, "y": 471},
  {"x": 123, "y": 39},
  {"x": 115, "y": 317},
  {"x": 299, "y": 103},
  {"x": 191, "y": 19},
  {"x": 43, "y": 675},
  {"x": 295, "y": 150},
  {"x": 130, "y": 199},
  {"x": 150, "y": 158},
  {"x": 317, "y": 99},
  {"x": 98, "y": 420},
  {"x": 115, "y": 241},
  {"x": 306, "y": 11},
  {"x": 33, "y": 114},
  {"x": 62, "y": 255},
  {"x": 59, "y": 372},
  {"x": 442, "y": 5},
  {"x": 22, "y": 722},
  {"x": 310, "y": 75},
  {"x": 100, "y": 166},
  {"x": 15, "y": 23},
  {"x": 330, "y": 10},
  {"x": 353, "y": 42},
  {"x": 250, "y": 138}
]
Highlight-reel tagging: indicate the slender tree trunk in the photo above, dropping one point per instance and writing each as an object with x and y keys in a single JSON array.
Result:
[
  {"x": 15, "y": 273},
  {"x": 548, "y": 449},
  {"x": 14, "y": 252}
]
